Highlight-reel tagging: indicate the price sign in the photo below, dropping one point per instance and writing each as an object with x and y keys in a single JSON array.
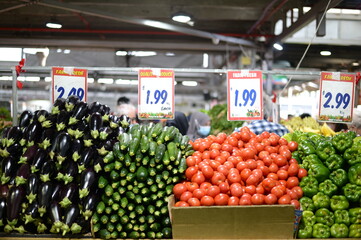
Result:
[
  {"x": 67, "y": 81},
  {"x": 337, "y": 92},
  {"x": 156, "y": 94},
  {"x": 244, "y": 91}
]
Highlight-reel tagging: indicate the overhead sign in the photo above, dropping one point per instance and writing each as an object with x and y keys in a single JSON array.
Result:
[
  {"x": 244, "y": 90},
  {"x": 337, "y": 92},
  {"x": 156, "y": 94},
  {"x": 67, "y": 81}
]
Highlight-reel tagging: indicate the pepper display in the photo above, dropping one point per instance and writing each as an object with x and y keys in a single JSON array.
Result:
[
  {"x": 342, "y": 142},
  {"x": 355, "y": 231},
  {"x": 321, "y": 200},
  {"x": 354, "y": 174},
  {"x": 325, "y": 149},
  {"x": 321, "y": 231},
  {"x": 342, "y": 216},
  {"x": 353, "y": 155},
  {"x": 339, "y": 177},
  {"x": 339, "y": 230},
  {"x": 325, "y": 216},
  {"x": 352, "y": 192},
  {"x": 309, "y": 186},
  {"x": 339, "y": 202},
  {"x": 334, "y": 162},
  {"x": 327, "y": 187}
]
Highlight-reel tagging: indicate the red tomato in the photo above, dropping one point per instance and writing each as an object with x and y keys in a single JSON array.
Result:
[
  {"x": 273, "y": 176},
  {"x": 274, "y": 138},
  {"x": 251, "y": 189},
  {"x": 282, "y": 174},
  {"x": 224, "y": 187},
  {"x": 292, "y": 160},
  {"x": 232, "y": 141},
  {"x": 292, "y": 146},
  {"x": 283, "y": 141},
  {"x": 302, "y": 173},
  {"x": 298, "y": 190},
  {"x": 236, "y": 190},
  {"x": 296, "y": 203},
  {"x": 245, "y": 174},
  {"x": 271, "y": 149},
  {"x": 268, "y": 184},
  {"x": 273, "y": 168},
  {"x": 191, "y": 171},
  {"x": 191, "y": 186},
  {"x": 205, "y": 185},
  {"x": 245, "y": 201},
  {"x": 233, "y": 201},
  {"x": 208, "y": 171},
  {"x": 285, "y": 199},
  {"x": 198, "y": 178},
  {"x": 280, "y": 160},
  {"x": 293, "y": 169},
  {"x": 282, "y": 183},
  {"x": 257, "y": 199},
  {"x": 213, "y": 191},
  {"x": 263, "y": 154},
  {"x": 245, "y": 136},
  {"x": 221, "y": 159},
  {"x": 286, "y": 153},
  {"x": 215, "y": 146},
  {"x": 194, "y": 202},
  {"x": 207, "y": 201},
  {"x": 199, "y": 193},
  {"x": 214, "y": 164},
  {"x": 181, "y": 204},
  {"x": 228, "y": 164},
  {"x": 185, "y": 196},
  {"x": 277, "y": 191},
  {"x": 292, "y": 182},
  {"x": 227, "y": 147},
  {"x": 251, "y": 163},
  {"x": 270, "y": 199},
  {"x": 260, "y": 189},
  {"x": 252, "y": 180},
  {"x": 214, "y": 152},
  {"x": 217, "y": 178},
  {"x": 267, "y": 160},
  {"x": 178, "y": 189},
  {"x": 206, "y": 155},
  {"x": 259, "y": 147},
  {"x": 292, "y": 194},
  {"x": 265, "y": 170},
  {"x": 234, "y": 177},
  {"x": 225, "y": 154},
  {"x": 191, "y": 161},
  {"x": 248, "y": 153},
  {"x": 241, "y": 165},
  {"x": 221, "y": 199}
]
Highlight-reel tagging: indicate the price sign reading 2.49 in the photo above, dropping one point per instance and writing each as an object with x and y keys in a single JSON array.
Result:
[
  {"x": 244, "y": 95},
  {"x": 156, "y": 94},
  {"x": 67, "y": 81},
  {"x": 336, "y": 97}
]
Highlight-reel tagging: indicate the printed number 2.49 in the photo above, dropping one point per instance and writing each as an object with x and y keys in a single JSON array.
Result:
[{"x": 78, "y": 92}]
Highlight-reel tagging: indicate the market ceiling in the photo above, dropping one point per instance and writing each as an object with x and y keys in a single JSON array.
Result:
[{"x": 217, "y": 25}]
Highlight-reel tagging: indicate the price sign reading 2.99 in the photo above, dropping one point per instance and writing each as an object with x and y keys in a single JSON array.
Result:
[
  {"x": 156, "y": 94},
  {"x": 336, "y": 97},
  {"x": 67, "y": 81},
  {"x": 244, "y": 95}
]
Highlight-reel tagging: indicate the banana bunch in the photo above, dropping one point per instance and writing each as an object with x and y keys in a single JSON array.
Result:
[
  {"x": 327, "y": 131},
  {"x": 307, "y": 124}
]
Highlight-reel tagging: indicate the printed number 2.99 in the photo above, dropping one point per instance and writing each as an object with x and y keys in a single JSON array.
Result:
[
  {"x": 78, "y": 92},
  {"x": 340, "y": 98}
]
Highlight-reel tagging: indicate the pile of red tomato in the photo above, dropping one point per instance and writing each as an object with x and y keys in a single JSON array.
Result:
[{"x": 241, "y": 169}]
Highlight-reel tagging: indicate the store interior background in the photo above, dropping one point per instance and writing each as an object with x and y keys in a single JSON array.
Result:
[{"x": 116, "y": 34}]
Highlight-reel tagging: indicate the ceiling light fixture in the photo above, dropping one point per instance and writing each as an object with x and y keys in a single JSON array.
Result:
[
  {"x": 278, "y": 46},
  {"x": 181, "y": 17},
  {"x": 136, "y": 53},
  {"x": 53, "y": 23},
  {"x": 325, "y": 53},
  {"x": 355, "y": 64},
  {"x": 189, "y": 83}
]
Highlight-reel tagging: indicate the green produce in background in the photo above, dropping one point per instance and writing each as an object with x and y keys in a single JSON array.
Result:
[
  {"x": 325, "y": 216},
  {"x": 309, "y": 186},
  {"x": 308, "y": 218},
  {"x": 334, "y": 162},
  {"x": 354, "y": 174},
  {"x": 307, "y": 204},
  {"x": 353, "y": 154},
  {"x": 219, "y": 122},
  {"x": 339, "y": 177},
  {"x": 339, "y": 202},
  {"x": 342, "y": 216},
  {"x": 355, "y": 231},
  {"x": 321, "y": 200},
  {"x": 305, "y": 232},
  {"x": 355, "y": 215},
  {"x": 352, "y": 192},
  {"x": 327, "y": 187},
  {"x": 321, "y": 231},
  {"x": 325, "y": 149},
  {"x": 339, "y": 230},
  {"x": 342, "y": 141}
]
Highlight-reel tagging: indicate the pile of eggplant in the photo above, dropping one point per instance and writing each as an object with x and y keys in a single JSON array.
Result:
[{"x": 50, "y": 165}]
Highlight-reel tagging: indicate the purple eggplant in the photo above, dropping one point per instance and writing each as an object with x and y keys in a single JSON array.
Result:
[
  {"x": 104, "y": 133},
  {"x": 46, "y": 137},
  {"x": 50, "y": 121},
  {"x": 58, "y": 105},
  {"x": 77, "y": 130},
  {"x": 54, "y": 145},
  {"x": 63, "y": 146},
  {"x": 40, "y": 115},
  {"x": 28, "y": 155},
  {"x": 113, "y": 121},
  {"x": 41, "y": 156},
  {"x": 44, "y": 196},
  {"x": 87, "y": 156},
  {"x": 94, "y": 107},
  {"x": 33, "y": 133},
  {"x": 95, "y": 123},
  {"x": 62, "y": 120},
  {"x": 48, "y": 171},
  {"x": 2, "y": 211},
  {"x": 9, "y": 167},
  {"x": 55, "y": 217},
  {"x": 13, "y": 203},
  {"x": 31, "y": 213},
  {"x": 70, "y": 102},
  {"x": 14, "y": 135},
  {"x": 76, "y": 149},
  {"x": 70, "y": 215},
  {"x": 69, "y": 194},
  {"x": 80, "y": 111},
  {"x": 55, "y": 195},
  {"x": 88, "y": 139},
  {"x": 14, "y": 150},
  {"x": 87, "y": 180},
  {"x": 89, "y": 205},
  {"x": 69, "y": 171},
  {"x": 32, "y": 187},
  {"x": 124, "y": 121},
  {"x": 4, "y": 190},
  {"x": 25, "y": 118},
  {"x": 22, "y": 174}
]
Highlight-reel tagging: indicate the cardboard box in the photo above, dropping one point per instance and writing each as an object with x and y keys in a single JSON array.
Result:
[{"x": 233, "y": 222}]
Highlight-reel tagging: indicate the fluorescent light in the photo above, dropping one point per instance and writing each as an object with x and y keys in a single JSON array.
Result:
[
  {"x": 54, "y": 25},
  {"x": 59, "y": 50},
  {"x": 90, "y": 80},
  {"x": 126, "y": 82},
  {"x": 278, "y": 46},
  {"x": 10, "y": 54},
  {"x": 170, "y": 54},
  {"x": 32, "y": 79},
  {"x": 121, "y": 53},
  {"x": 355, "y": 64},
  {"x": 325, "y": 53},
  {"x": 312, "y": 84},
  {"x": 189, "y": 83},
  {"x": 205, "y": 60},
  {"x": 47, "y": 79},
  {"x": 181, "y": 17},
  {"x": 36, "y": 50},
  {"x": 6, "y": 78},
  {"x": 297, "y": 88},
  {"x": 350, "y": 11},
  {"x": 67, "y": 51},
  {"x": 143, "y": 53},
  {"x": 105, "y": 80}
]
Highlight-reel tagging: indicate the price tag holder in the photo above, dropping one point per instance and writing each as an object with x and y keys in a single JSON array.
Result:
[
  {"x": 337, "y": 95},
  {"x": 156, "y": 94},
  {"x": 67, "y": 81},
  {"x": 244, "y": 91}
]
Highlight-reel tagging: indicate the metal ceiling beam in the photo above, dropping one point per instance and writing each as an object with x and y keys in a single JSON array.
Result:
[
  {"x": 306, "y": 19},
  {"x": 150, "y": 23}
]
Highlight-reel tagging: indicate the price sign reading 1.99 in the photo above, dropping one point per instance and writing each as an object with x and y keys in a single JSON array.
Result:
[
  {"x": 244, "y": 95},
  {"x": 67, "y": 81},
  {"x": 336, "y": 97},
  {"x": 156, "y": 94}
]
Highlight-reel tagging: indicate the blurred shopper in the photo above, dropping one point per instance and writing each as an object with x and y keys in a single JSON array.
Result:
[
  {"x": 305, "y": 115},
  {"x": 356, "y": 121},
  {"x": 199, "y": 126},
  {"x": 180, "y": 121},
  {"x": 124, "y": 107}
]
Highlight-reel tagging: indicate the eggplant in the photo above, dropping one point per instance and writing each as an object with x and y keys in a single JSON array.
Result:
[
  {"x": 22, "y": 174},
  {"x": 41, "y": 156},
  {"x": 14, "y": 150},
  {"x": 104, "y": 133},
  {"x": 76, "y": 148},
  {"x": 58, "y": 105},
  {"x": 88, "y": 139},
  {"x": 9, "y": 166},
  {"x": 2, "y": 211},
  {"x": 13, "y": 203},
  {"x": 25, "y": 118},
  {"x": 77, "y": 130},
  {"x": 48, "y": 171},
  {"x": 55, "y": 217},
  {"x": 14, "y": 134},
  {"x": 70, "y": 102},
  {"x": 98, "y": 164},
  {"x": 86, "y": 158},
  {"x": 89, "y": 204},
  {"x": 28, "y": 155},
  {"x": 68, "y": 195},
  {"x": 94, "y": 107},
  {"x": 62, "y": 120},
  {"x": 55, "y": 195},
  {"x": 54, "y": 146},
  {"x": 68, "y": 172},
  {"x": 33, "y": 133},
  {"x": 40, "y": 115},
  {"x": 80, "y": 110},
  {"x": 31, "y": 213},
  {"x": 32, "y": 187},
  {"x": 44, "y": 195},
  {"x": 71, "y": 214},
  {"x": 4, "y": 190},
  {"x": 113, "y": 121},
  {"x": 46, "y": 137},
  {"x": 95, "y": 123},
  {"x": 50, "y": 121},
  {"x": 87, "y": 180},
  {"x": 63, "y": 146},
  {"x": 124, "y": 121}
]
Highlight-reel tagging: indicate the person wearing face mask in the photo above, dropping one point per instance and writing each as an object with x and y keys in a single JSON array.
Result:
[{"x": 199, "y": 126}]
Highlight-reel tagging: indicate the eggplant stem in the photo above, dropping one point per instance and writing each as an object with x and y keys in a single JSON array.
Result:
[
  {"x": 60, "y": 126},
  {"x": 72, "y": 120},
  {"x": 81, "y": 168},
  {"x": 13, "y": 222},
  {"x": 65, "y": 202},
  {"x": 60, "y": 159},
  {"x": 33, "y": 169},
  {"x": 22, "y": 142},
  {"x": 20, "y": 229},
  {"x": 88, "y": 142},
  {"x": 42, "y": 210},
  {"x": 83, "y": 193},
  {"x": 87, "y": 214},
  {"x": 75, "y": 156},
  {"x": 113, "y": 125},
  {"x": 41, "y": 228},
  {"x": 28, "y": 219},
  {"x": 8, "y": 228},
  {"x": 4, "y": 179},
  {"x": 75, "y": 228},
  {"x": 46, "y": 124},
  {"x": 69, "y": 107},
  {"x": 44, "y": 177},
  {"x": 20, "y": 180},
  {"x": 55, "y": 110},
  {"x": 10, "y": 142},
  {"x": 94, "y": 133},
  {"x": 78, "y": 134},
  {"x": 67, "y": 178},
  {"x": 31, "y": 197},
  {"x": 97, "y": 168},
  {"x": 102, "y": 151}
]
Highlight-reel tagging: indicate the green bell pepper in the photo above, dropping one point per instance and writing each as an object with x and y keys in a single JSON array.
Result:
[
  {"x": 339, "y": 177},
  {"x": 315, "y": 138},
  {"x": 355, "y": 231},
  {"x": 308, "y": 218},
  {"x": 352, "y": 192},
  {"x": 296, "y": 155},
  {"x": 306, "y": 147},
  {"x": 325, "y": 216},
  {"x": 353, "y": 155},
  {"x": 339, "y": 230},
  {"x": 309, "y": 186},
  {"x": 321, "y": 231},
  {"x": 325, "y": 149},
  {"x": 342, "y": 141},
  {"x": 352, "y": 134},
  {"x": 307, "y": 204},
  {"x": 355, "y": 215},
  {"x": 354, "y": 174},
  {"x": 319, "y": 171},
  {"x": 342, "y": 216},
  {"x": 327, "y": 187},
  {"x": 321, "y": 200},
  {"x": 339, "y": 202},
  {"x": 334, "y": 162},
  {"x": 309, "y": 160},
  {"x": 305, "y": 232}
]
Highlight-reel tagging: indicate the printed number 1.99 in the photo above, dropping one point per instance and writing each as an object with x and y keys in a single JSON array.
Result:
[
  {"x": 247, "y": 95},
  {"x": 158, "y": 95}
]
